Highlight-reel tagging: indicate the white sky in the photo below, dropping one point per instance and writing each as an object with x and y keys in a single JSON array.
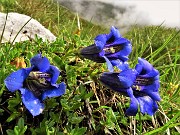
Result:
[{"x": 156, "y": 11}]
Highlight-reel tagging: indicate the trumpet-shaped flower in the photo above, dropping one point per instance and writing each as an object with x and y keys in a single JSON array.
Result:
[
  {"x": 36, "y": 83},
  {"x": 140, "y": 84},
  {"x": 108, "y": 47}
]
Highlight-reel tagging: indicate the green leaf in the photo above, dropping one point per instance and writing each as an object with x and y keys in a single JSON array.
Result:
[
  {"x": 23, "y": 130},
  {"x": 49, "y": 127},
  {"x": 78, "y": 131},
  {"x": 17, "y": 130},
  {"x": 83, "y": 94},
  {"x": 50, "y": 131},
  {"x": 21, "y": 123},
  {"x": 51, "y": 103},
  {"x": 58, "y": 61},
  {"x": 13, "y": 116},
  {"x": 10, "y": 132},
  {"x": 75, "y": 120},
  {"x": 1, "y": 111},
  {"x": 2, "y": 89},
  {"x": 64, "y": 104},
  {"x": 13, "y": 102},
  {"x": 88, "y": 95},
  {"x": 20, "y": 131},
  {"x": 70, "y": 105},
  {"x": 50, "y": 123}
]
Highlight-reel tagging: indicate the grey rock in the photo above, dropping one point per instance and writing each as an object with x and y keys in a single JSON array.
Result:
[{"x": 15, "y": 22}]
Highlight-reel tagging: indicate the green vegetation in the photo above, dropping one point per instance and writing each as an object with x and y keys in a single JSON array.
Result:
[{"x": 88, "y": 107}]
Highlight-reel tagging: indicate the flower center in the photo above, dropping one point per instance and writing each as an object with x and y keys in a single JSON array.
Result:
[
  {"x": 113, "y": 49},
  {"x": 136, "y": 87},
  {"x": 38, "y": 82},
  {"x": 140, "y": 81}
]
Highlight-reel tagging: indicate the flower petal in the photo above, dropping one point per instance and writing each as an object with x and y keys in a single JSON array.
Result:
[
  {"x": 119, "y": 42},
  {"x": 92, "y": 53},
  {"x": 145, "y": 69},
  {"x": 114, "y": 34},
  {"x": 32, "y": 103},
  {"x": 138, "y": 68},
  {"x": 123, "y": 53},
  {"x": 100, "y": 41},
  {"x": 15, "y": 80},
  {"x": 151, "y": 88},
  {"x": 54, "y": 71},
  {"x": 92, "y": 49},
  {"x": 99, "y": 44},
  {"x": 154, "y": 95},
  {"x": 111, "y": 80},
  {"x": 102, "y": 53},
  {"x": 119, "y": 64},
  {"x": 133, "y": 109},
  {"x": 109, "y": 65},
  {"x": 55, "y": 92},
  {"x": 147, "y": 105},
  {"x": 127, "y": 77},
  {"x": 41, "y": 63}
]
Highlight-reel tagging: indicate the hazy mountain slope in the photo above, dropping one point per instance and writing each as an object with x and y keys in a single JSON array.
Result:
[{"x": 107, "y": 14}]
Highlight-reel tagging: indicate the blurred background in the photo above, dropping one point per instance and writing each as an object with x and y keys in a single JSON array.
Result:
[{"x": 124, "y": 13}]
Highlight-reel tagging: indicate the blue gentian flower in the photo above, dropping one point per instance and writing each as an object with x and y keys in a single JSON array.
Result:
[
  {"x": 36, "y": 83},
  {"x": 108, "y": 47},
  {"x": 140, "y": 84}
]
